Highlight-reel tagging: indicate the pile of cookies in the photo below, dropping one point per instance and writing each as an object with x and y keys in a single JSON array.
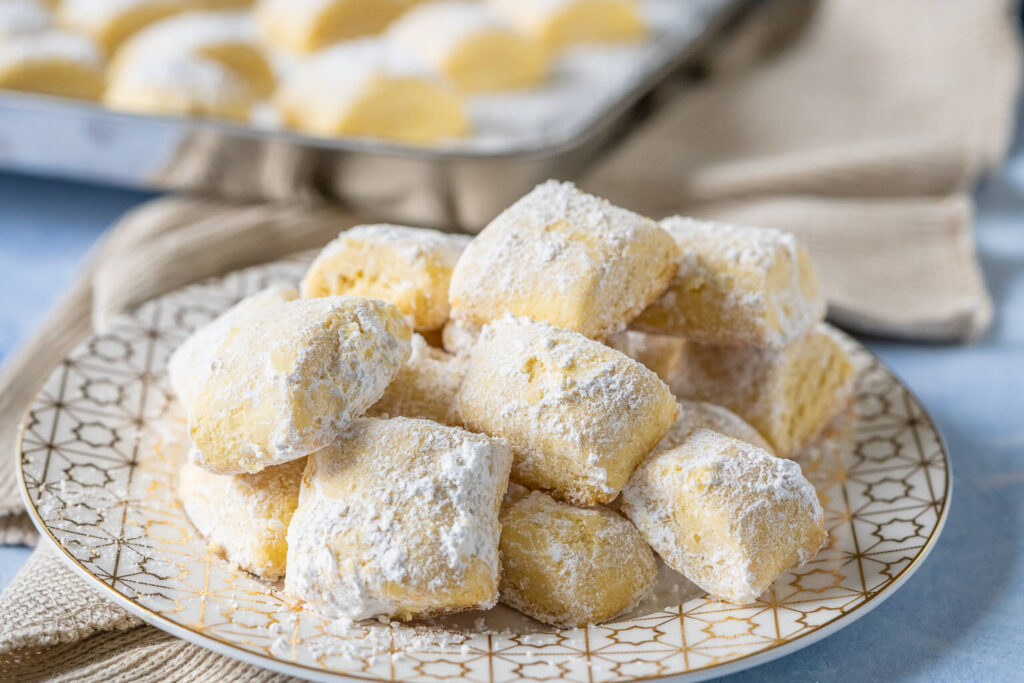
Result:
[
  {"x": 433, "y": 423},
  {"x": 390, "y": 69}
]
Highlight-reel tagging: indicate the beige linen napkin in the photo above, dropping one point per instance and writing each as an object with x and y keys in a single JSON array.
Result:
[{"x": 864, "y": 136}]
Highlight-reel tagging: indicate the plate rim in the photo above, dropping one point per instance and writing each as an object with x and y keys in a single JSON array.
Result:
[{"x": 741, "y": 663}]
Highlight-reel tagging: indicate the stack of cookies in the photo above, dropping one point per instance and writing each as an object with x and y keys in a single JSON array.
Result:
[{"x": 642, "y": 386}]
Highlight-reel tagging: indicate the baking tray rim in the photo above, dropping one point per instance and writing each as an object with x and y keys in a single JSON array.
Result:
[{"x": 558, "y": 145}]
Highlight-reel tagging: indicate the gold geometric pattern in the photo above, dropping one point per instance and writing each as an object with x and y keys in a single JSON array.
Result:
[{"x": 98, "y": 472}]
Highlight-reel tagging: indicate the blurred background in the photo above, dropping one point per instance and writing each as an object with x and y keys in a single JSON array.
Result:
[{"x": 885, "y": 133}]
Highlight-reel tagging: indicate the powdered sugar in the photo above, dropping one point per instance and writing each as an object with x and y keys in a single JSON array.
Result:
[
  {"x": 411, "y": 243},
  {"x": 736, "y": 286},
  {"x": 20, "y": 17},
  {"x": 408, "y": 267},
  {"x": 337, "y": 76},
  {"x": 181, "y": 78},
  {"x": 298, "y": 7},
  {"x": 404, "y": 502},
  {"x": 532, "y": 10},
  {"x": 425, "y": 387},
  {"x": 777, "y": 478},
  {"x": 728, "y": 515},
  {"x": 694, "y": 415},
  {"x": 662, "y": 354},
  {"x": 245, "y": 515},
  {"x": 187, "y": 33},
  {"x": 288, "y": 378},
  {"x": 567, "y": 258},
  {"x": 789, "y": 395},
  {"x": 579, "y": 414},
  {"x": 48, "y": 46},
  {"x": 434, "y": 30},
  {"x": 92, "y": 14},
  {"x": 192, "y": 359},
  {"x": 459, "y": 337},
  {"x": 554, "y": 201}
]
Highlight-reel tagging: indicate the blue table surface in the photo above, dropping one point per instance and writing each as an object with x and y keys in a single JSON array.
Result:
[{"x": 959, "y": 618}]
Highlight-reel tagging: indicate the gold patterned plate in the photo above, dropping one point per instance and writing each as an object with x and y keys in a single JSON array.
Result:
[{"x": 98, "y": 463}]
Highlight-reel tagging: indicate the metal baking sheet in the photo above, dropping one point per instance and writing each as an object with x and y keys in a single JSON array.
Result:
[{"x": 456, "y": 185}]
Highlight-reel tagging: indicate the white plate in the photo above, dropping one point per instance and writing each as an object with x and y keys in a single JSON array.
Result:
[{"x": 98, "y": 469}]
